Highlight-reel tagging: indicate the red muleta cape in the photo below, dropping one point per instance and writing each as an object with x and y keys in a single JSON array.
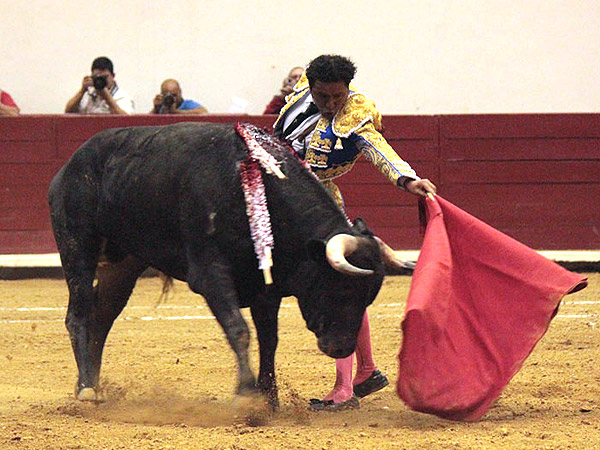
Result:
[{"x": 478, "y": 304}]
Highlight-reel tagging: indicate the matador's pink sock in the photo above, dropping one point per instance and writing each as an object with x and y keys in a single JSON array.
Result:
[
  {"x": 364, "y": 353},
  {"x": 342, "y": 390}
]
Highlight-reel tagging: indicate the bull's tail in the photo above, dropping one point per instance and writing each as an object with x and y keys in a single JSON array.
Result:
[{"x": 166, "y": 288}]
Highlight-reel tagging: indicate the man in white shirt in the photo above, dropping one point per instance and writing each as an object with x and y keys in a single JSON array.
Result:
[{"x": 99, "y": 92}]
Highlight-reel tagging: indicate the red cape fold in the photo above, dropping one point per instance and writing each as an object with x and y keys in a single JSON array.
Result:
[{"x": 478, "y": 304}]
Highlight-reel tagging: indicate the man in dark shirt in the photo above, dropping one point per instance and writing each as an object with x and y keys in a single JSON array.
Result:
[{"x": 278, "y": 100}]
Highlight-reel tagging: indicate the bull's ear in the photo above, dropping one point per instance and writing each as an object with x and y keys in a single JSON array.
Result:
[
  {"x": 316, "y": 250},
  {"x": 360, "y": 226}
]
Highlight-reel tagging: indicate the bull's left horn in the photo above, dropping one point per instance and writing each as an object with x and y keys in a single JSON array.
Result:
[{"x": 336, "y": 250}]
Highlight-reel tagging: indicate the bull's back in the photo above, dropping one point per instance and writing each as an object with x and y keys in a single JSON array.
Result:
[
  {"x": 139, "y": 183},
  {"x": 161, "y": 195},
  {"x": 154, "y": 190}
]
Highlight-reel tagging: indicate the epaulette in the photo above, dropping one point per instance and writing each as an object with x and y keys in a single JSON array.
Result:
[
  {"x": 358, "y": 110},
  {"x": 300, "y": 85}
]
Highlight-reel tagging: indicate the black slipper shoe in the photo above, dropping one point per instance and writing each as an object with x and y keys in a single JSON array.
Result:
[
  {"x": 329, "y": 405},
  {"x": 374, "y": 383}
]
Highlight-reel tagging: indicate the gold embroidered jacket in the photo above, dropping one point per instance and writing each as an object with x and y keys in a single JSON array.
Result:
[{"x": 336, "y": 145}]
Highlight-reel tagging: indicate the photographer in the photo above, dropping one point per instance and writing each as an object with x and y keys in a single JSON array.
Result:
[
  {"x": 278, "y": 100},
  {"x": 99, "y": 92},
  {"x": 170, "y": 101}
]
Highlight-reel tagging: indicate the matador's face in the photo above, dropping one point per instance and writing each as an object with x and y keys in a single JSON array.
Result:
[{"x": 329, "y": 97}]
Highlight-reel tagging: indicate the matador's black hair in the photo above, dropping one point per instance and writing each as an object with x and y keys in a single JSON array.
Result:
[{"x": 330, "y": 69}]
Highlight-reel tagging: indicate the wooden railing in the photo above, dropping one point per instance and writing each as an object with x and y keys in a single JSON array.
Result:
[{"x": 535, "y": 177}]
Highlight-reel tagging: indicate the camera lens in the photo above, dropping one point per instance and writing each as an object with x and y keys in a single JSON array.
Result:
[
  {"x": 99, "y": 82},
  {"x": 168, "y": 100}
]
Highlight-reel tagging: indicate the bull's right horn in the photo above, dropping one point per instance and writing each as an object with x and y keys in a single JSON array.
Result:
[
  {"x": 336, "y": 250},
  {"x": 390, "y": 257}
]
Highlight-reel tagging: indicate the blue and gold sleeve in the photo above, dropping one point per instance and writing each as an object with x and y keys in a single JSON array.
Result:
[{"x": 377, "y": 150}]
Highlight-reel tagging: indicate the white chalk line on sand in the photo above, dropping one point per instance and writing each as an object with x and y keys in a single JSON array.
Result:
[
  {"x": 209, "y": 317},
  {"x": 64, "y": 308},
  {"x": 177, "y": 318},
  {"x": 126, "y": 318},
  {"x": 142, "y": 318}
]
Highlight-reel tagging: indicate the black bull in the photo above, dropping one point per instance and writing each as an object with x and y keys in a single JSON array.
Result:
[{"x": 170, "y": 198}]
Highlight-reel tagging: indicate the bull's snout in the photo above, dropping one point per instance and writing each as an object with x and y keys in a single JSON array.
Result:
[{"x": 336, "y": 348}]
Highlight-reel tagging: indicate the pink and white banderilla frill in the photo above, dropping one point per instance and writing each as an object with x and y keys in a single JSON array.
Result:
[{"x": 256, "y": 199}]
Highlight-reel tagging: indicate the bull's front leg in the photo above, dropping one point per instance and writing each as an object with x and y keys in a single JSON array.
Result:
[
  {"x": 210, "y": 276},
  {"x": 264, "y": 315}
]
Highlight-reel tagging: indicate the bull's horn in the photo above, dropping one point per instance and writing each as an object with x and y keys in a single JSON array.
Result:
[
  {"x": 390, "y": 258},
  {"x": 336, "y": 250}
]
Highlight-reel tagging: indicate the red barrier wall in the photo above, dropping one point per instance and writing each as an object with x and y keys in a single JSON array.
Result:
[{"x": 534, "y": 176}]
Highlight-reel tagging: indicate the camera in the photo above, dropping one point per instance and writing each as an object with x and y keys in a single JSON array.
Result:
[
  {"x": 100, "y": 82},
  {"x": 168, "y": 100}
]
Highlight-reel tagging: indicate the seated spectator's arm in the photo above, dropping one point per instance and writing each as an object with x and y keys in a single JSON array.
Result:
[
  {"x": 275, "y": 105},
  {"x": 113, "y": 105},
  {"x": 157, "y": 102},
  {"x": 198, "y": 110},
  {"x": 73, "y": 104},
  {"x": 6, "y": 110}
]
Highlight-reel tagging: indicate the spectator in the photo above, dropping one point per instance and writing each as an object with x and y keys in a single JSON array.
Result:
[
  {"x": 170, "y": 101},
  {"x": 8, "y": 107},
  {"x": 99, "y": 92},
  {"x": 278, "y": 100}
]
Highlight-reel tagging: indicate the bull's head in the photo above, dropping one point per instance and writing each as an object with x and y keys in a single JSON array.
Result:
[{"x": 342, "y": 279}]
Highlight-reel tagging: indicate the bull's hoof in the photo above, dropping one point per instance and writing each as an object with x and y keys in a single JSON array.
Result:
[
  {"x": 273, "y": 403},
  {"x": 87, "y": 395},
  {"x": 253, "y": 409}
]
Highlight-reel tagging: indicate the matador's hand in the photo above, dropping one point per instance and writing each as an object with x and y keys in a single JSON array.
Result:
[{"x": 420, "y": 187}]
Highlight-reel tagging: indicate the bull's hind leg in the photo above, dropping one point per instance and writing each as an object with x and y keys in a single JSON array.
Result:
[
  {"x": 79, "y": 256},
  {"x": 93, "y": 309},
  {"x": 115, "y": 284},
  {"x": 209, "y": 275},
  {"x": 73, "y": 206}
]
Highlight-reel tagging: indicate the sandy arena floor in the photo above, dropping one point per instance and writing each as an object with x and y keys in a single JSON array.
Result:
[{"x": 169, "y": 376}]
